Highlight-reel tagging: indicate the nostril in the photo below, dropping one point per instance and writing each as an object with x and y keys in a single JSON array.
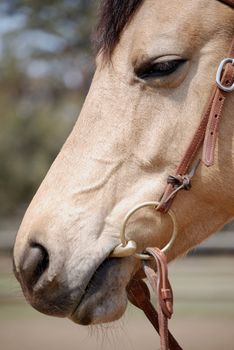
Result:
[{"x": 34, "y": 264}]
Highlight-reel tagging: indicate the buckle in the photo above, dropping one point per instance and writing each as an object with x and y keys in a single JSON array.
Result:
[{"x": 226, "y": 88}]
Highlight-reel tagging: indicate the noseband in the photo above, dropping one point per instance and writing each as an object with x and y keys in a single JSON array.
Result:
[{"x": 154, "y": 263}]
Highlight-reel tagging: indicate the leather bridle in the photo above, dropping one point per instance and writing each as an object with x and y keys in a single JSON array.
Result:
[{"x": 154, "y": 260}]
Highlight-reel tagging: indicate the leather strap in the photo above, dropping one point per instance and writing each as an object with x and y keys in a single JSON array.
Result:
[
  {"x": 139, "y": 295},
  {"x": 205, "y": 134},
  {"x": 216, "y": 114}
]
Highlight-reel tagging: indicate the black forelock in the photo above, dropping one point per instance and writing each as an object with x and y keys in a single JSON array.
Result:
[{"x": 114, "y": 15}]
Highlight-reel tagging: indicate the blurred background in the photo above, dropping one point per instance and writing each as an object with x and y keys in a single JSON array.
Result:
[{"x": 46, "y": 65}]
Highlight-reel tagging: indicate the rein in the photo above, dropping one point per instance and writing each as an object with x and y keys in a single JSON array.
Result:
[{"x": 154, "y": 262}]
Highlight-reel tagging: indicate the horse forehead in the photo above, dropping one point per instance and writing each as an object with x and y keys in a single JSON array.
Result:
[
  {"x": 158, "y": 13},
  {"x": 177, "y": 21}
]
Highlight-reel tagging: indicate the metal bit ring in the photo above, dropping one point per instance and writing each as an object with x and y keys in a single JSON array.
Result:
[{"x": 128, "y": 248}]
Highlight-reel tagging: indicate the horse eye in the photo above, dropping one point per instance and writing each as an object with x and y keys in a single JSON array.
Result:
[{"x": 159, "y": 69}]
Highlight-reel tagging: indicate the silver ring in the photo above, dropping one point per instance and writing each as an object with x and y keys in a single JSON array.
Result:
[{"x": 128, "y": 248}]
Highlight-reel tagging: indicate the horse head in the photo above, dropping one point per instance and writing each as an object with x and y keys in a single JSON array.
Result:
[{"x": 155, "y": 70}]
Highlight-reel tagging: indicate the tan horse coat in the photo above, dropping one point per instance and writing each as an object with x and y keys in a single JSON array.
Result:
[{"x": 130, "y": 135}]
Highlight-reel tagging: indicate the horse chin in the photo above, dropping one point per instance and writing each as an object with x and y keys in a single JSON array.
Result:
[{"x": 105, "y": 298}]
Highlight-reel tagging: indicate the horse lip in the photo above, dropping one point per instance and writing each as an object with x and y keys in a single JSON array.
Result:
[{"x": 82, "y": 297}]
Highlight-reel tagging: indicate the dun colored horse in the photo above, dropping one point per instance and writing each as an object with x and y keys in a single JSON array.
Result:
[{"x": 156, "y": 68}]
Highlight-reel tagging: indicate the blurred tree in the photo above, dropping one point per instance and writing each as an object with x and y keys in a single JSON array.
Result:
[{"x": 46, "y": 66}]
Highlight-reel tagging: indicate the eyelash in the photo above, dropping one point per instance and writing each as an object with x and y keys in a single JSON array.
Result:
[{"x": 158, "y": 70}]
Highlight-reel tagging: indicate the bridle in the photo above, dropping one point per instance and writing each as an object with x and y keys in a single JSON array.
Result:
[{"x": 154, "y": 260}]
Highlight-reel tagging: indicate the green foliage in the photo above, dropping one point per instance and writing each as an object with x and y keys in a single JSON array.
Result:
[
  {"x": 42, "y": 85},
  {"x": 28, "y": 144}
]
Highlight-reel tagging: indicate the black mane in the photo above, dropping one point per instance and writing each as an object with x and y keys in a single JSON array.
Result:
[{"x": 114, "y": 16}]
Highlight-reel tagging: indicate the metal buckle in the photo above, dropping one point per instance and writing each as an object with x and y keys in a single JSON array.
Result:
[{"x": 219, "y": 74}]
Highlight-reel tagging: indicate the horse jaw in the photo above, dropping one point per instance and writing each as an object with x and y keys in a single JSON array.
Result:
[{"x": 129, "y": 137}]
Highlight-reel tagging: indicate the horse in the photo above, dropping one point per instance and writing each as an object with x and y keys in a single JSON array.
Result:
[{"x": 155, "y": 68}]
